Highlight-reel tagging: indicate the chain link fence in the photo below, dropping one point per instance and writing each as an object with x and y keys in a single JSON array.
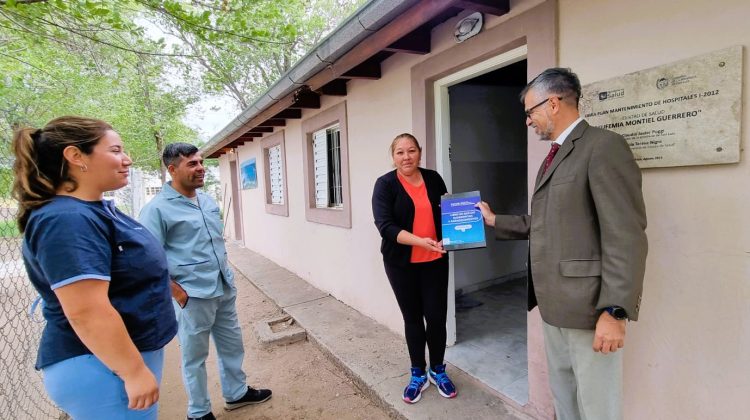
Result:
[{"x": 22, "y": 394}]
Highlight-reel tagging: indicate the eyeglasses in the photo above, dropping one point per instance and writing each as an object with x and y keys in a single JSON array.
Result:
[{"x": 531, "y": 110}]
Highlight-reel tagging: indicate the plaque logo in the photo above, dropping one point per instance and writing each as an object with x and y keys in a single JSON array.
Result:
[
  {"x": 662, "y": 83},
  {"x": 611, "y": 94}
]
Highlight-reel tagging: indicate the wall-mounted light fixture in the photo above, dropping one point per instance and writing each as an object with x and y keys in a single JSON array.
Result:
[{"x": 468, "y": 27}]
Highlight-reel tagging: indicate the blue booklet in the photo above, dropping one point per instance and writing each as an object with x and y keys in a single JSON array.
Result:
[{"x": 463, "y": 226}]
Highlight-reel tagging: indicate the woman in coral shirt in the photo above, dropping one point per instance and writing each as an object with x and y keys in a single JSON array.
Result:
[{"x": 406, "y": 207}]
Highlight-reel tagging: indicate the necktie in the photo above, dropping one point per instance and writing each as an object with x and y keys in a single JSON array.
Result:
[{"x": 551, "y": 155}]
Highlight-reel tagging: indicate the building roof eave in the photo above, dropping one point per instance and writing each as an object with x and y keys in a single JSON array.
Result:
[{"x": 353, "y": 50}]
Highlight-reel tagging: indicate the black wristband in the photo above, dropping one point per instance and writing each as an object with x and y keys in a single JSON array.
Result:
[{"x": 617, "y": 312}]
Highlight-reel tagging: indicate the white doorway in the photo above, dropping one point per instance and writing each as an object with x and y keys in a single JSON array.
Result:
[{"x": 481, "y": 144}]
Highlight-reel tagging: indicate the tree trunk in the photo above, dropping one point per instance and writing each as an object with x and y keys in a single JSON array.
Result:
[{"x": 158, "y": 137}]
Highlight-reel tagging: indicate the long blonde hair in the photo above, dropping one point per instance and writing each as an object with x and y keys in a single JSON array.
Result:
[{"x": 40, "y": 168}]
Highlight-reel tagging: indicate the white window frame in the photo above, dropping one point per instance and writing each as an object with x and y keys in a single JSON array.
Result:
[
  {"x": 326, "y": 169},
  {"x": 275, "y": 183}
]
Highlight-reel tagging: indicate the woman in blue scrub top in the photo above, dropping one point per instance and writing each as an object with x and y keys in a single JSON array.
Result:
[{"x": 102, "y": 277}]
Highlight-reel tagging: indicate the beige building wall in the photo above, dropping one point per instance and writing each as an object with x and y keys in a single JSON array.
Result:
[
  {"x": 687, "y": 357},
  {"x": 344, "y": 262},
  {"x": 226, "y": 185}
]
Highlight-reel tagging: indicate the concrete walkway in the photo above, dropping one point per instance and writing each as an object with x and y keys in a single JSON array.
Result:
[{"x": 373, "y": 356}]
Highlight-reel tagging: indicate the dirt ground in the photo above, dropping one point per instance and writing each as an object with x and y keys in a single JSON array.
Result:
[{"x": 305, "y": 384}]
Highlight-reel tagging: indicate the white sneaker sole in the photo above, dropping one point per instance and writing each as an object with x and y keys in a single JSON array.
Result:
[
  {"x": 419, "y": 397},
  {"x": 230, "y": 407},
  {"x": 440, "y": 390}
]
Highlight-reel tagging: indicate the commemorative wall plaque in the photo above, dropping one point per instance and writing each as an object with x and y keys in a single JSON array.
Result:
[{"x": 679, "y": 114}]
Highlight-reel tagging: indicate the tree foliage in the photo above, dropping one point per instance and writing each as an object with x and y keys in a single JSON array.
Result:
[
  {"x": 140, "y": 63},
  {"x": 243, "y": 46},
  {"x": 61, "y": 58}
]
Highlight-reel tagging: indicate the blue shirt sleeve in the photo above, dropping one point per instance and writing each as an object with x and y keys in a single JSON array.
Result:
[
  {"x": 70, "y": 247},
  {"x": 152, "y": 220}
]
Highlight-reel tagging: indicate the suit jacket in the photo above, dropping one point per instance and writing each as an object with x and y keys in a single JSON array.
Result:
[
  {"x": 586, "y": 231},
  {"x": 393, "y": 210}
]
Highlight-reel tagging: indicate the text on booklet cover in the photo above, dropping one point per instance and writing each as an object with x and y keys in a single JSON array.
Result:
[{"x": 463, "y": 227}]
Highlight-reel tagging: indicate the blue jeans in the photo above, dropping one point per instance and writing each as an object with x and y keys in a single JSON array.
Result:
[
  {"x": 86, "y": 389},
  {"x": 217, "y": 318}
]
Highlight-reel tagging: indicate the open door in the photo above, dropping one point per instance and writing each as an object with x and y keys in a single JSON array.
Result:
[{"x": 482, "y": 145}]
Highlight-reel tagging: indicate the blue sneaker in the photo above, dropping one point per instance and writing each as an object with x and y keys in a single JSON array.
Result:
[
  {"x": 442, "y": 381},
  {"x": 417, "y": 384}
]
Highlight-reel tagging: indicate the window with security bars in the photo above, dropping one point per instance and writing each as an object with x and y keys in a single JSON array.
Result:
[
  {"x": 325, "y": 157},
  {"x": 276, "y": 174},
  {"x": 153, "y": 190},
  {"x": 327, "y": 167}
]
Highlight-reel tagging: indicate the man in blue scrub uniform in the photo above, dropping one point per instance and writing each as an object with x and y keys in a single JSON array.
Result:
[{"x": 187, "y": 223}]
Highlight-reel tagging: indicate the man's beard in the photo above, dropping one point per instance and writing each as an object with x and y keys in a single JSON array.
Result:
[{"x": 546, "y": 134}]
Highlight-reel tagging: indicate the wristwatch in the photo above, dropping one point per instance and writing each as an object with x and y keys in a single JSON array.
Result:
[{"x": 617, "y": 312}]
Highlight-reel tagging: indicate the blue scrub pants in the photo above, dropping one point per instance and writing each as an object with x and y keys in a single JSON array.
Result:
[
  {"x": 86, "y": 389},
  {"x": 215, "y": 317}
]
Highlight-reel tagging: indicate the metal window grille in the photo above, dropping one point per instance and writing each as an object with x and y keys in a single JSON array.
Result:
[
  {"x": 334, "y": 167},
  {"x": 327, "y": 165}
]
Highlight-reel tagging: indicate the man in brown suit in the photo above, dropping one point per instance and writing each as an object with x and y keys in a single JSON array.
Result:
[{"x": 587, "y": 245}]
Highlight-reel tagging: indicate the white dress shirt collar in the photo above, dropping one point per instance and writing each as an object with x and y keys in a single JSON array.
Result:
[{"x": 564, "y": 135}]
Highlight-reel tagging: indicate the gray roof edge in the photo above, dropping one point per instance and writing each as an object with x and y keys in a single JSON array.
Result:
[{"x": 375, "y": 12}]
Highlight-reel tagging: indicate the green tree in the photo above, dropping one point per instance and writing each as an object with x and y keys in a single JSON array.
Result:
[
  {"x": 98, "y": 58},
  {"x": 242, "y": 47},
  {"x": 107, "y": 69}
]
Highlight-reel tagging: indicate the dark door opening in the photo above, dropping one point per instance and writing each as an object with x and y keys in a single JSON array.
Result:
[{"x": 488, "y": 152}]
